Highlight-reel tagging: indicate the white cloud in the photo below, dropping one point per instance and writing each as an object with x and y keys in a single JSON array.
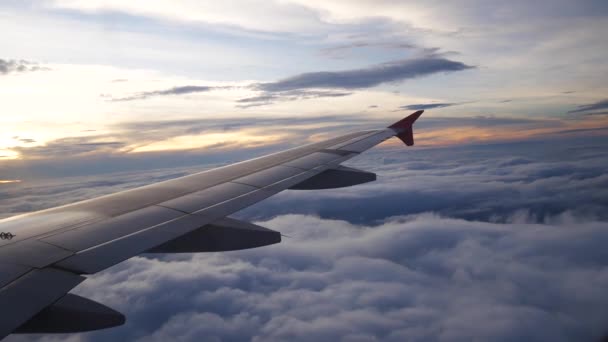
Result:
[
  {"x": 422, "y": 277},
  {"x": 426, "y": 276}
]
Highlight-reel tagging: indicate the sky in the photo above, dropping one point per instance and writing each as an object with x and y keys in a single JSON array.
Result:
[
  {"x": 82, "y": 80},
  {"x": 492, "y": 227}
]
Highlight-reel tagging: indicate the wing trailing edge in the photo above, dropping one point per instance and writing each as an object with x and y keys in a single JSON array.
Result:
[
  {"x": 72, "y": 314},
  {"x": 338, "y": 177},
  {"x": 227, "y": 234}
]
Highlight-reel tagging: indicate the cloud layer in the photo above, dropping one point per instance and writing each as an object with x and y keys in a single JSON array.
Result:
[
  {"x": 499, "y": 242},
  {"x": 532, "y": 180},
  {"x": 421, "y": 278}
]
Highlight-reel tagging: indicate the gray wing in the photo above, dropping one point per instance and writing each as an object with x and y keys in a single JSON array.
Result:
[{"x": 45, "y": 254}]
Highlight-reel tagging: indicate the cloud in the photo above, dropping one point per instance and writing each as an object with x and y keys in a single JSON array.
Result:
[
  {"x": 126, "y": 135},
  {"x": 267, "y": 98},
  {"x": 494, "y": 242},
  {"x": 530, "y": 178},
  {"x": 8, "y": 66},
  {"x": 410, "y": 278},
  {"x": 182, "y": 90},
  {"x": 230, "y": 139},
  {"x": 69, "y": 146},
  {"x": 340, "y": 51},
  {"x": 603, "y": 104},
  {"x": 24, "y": 140},
  {"x": 390, "y": 72},
  {"x": 28, "y": 196},
  {"x": 584, "y": 130},
  {"x": 304, "y": 86},
  {"x": 425, "y": 106}
]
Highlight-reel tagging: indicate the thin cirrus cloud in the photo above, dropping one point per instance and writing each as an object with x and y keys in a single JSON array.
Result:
[
  {"x": 340, "y": 51},
  {"x": 297, "y": 87},
  {"x": 424, "y": 106},
  {"x": 267, "y": 98},
  {"x": 182, "y": 90},
  {"x": 603, "y": 104},
  {"x": 367, "y": 77},
  {"x": 305, "y": 86}
]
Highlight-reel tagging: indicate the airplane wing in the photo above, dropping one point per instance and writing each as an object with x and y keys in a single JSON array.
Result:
[{"x": 44, "y": 254}]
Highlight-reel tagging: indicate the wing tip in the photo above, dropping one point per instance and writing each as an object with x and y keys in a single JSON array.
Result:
[
  {"x": 404, "y": 129},
  {"x": 408, "y": 121}
]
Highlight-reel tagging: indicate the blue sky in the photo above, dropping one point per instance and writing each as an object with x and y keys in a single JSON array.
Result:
[{"x": 493, "y": 227}]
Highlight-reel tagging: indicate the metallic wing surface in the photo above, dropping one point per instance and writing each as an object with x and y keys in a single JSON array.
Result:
[{"x": 45, "y": 254}]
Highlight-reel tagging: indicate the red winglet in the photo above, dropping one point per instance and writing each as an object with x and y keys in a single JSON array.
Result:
[{"x": 404, "y": 128}]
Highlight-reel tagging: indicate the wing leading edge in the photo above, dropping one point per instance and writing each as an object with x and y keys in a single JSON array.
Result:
[{"x": 52, "y": 249}]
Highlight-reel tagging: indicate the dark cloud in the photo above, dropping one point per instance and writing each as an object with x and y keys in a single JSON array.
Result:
[
  {"x": 425, "y": 106},
  {"x": 295, "y": 87},
  {"x": 16, "y": 66},
  {"x": 366, "y": 77},
  {"x": 267, "y": 98},
  {"x": 182, "y": 90},
  {"x": 603, "y": 104}
]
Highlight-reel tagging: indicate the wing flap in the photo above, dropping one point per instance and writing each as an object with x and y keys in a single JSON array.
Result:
[
  {"x": 333, "y": 178},
  {"x": 223, "y": 235},
  {"x": 72, "y": 314},
  {"x": 31, "y": 293}
]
